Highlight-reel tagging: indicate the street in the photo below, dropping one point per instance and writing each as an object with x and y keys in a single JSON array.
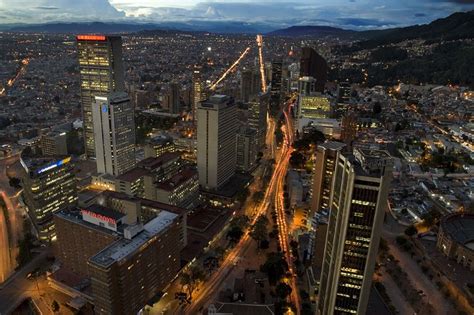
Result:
[{"x": 10, "y": 218}]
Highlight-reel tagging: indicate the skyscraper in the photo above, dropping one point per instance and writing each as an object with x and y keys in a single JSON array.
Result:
[
  {"x": 49, "y": 185},
  {"x": 324, "y": 164},
  {"x": 275, "y": 90},
  {"x": 114, "y": 131},
  {"x": 101, "y": 68},
  {"x": 313, "y": 65},
  {"x": 216, "y": 141},
  {"x": 257, "y": 117},
  {"x": 198, "y": 90},
  {"x": 357, "y": 208},
  {"x": 174, "y": 101},
  {"x": 249, "y": 84}
]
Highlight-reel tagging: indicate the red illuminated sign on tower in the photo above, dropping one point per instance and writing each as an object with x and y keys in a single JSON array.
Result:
[{"x": 90, "y": 37}]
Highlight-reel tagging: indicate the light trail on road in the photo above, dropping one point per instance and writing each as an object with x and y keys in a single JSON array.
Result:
[
  {"x": 212, "y": 286},
  {"x": 20, "y": 72},
  {"x": 279, "y": 202},
  {"x": 259, "y": 40},
  {"x": 229, "y": 70}
]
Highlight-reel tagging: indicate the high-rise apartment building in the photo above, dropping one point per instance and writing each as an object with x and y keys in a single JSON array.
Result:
[
  {"x": 131, "y": 271},
  {"x": 49, "y": 185},
  {"x": 114, "y": 130},
  {"x": 257, "y": 117},
  {"x": 128, "y": 247},
  {"x": 313, "y": 65},
  {"x": 357, "y": 208},
  {"x": 101, "y": 70},
  {"x": 323, "y": 170},
  {"x": 216, "y": 149}
]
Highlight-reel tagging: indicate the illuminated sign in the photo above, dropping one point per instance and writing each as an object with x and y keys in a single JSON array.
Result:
[
  {"x": 104, "y": 108},
  {"x": 54, "y": 165},
  {"x": 98, "y": 216},
  {"x": 90, "y": 37}
]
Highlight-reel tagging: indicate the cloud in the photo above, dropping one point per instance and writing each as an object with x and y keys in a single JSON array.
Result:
[
  {"x": 355, "y": 14},
  {"x": 47, "y": 8},
  {"x": 37, "y": 11}
]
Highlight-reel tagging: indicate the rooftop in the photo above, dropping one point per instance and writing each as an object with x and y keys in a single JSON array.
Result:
[
  {"x": 332, "y": 145},
  {"x": 155, "y": 162},
  {"x": 125, "y": 247},
  {"x": 144, "y": 202},
  {"x": 460, "y": 227},
  {"x": 132, "y": 175},
  {"x": 107, "y": 212},
  {"x": 177, "y": 180}
]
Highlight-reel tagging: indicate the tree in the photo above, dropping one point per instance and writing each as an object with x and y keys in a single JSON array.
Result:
[
  {"x": 377, "y": 109},
  {"x": 242, "y": 194},
  {"x": 14, "y": 182},
  {"x": 191, "y": 278},
  {"x": 283, "y": 290},
  {"x": 258, "y": 196},
  {"x": 74, "y": 142},
  {"x": 234, "y": 234},
  {"x": 297, "y": 160},
  {"x": 55, "y": 306},
  {"x": 411, "y": 230},
  {"x": 275, "y": 267},
  {"x": 259, "y": 230}
]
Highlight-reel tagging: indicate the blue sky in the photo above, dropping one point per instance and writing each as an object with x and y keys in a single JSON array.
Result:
[{"x": 353, "y": 14}]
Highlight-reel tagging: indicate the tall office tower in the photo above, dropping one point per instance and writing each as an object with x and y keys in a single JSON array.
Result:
[
  {"x": 246, "y": 85},
  {"x": 257, "y": 117},
  {"x": 323, "y": 170},
  {"x": 114, "y": 130},
  {"x": 216, "y": 141},
  {"x": 357, "y": 208},
  {"x": 313, "y": 65},
  {"x": 349, "y": 128},
  {"x": 101, "y": 68},
  {"x": 249, "y": 84},
  {"x": 306, "y": 85},
  {"x": 174, "y": 101},
  {"x": 49, "y": 185},
  {"x": 275, "y": 90},
  {"x": 246, "y": 149},
  {"x": 198, "y": 90}
]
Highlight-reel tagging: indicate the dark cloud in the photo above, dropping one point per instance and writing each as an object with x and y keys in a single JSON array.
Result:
[
  {"x": 419, "y": 14},
  {"x": 47, "y": 8},
  {"x": 460, "y": 1}
]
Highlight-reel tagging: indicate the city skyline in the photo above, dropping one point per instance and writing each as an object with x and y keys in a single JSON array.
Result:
[{"x": 307, "y": 171}]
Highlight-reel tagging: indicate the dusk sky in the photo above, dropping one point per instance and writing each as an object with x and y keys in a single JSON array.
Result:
[{"x": 353, "y": 14}]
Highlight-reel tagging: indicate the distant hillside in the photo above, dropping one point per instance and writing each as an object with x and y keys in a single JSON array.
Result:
[
  {"x": 456, "y": 26},
  {"x": 309, "y": 30},
  {"x": 229, "y": 27}
]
